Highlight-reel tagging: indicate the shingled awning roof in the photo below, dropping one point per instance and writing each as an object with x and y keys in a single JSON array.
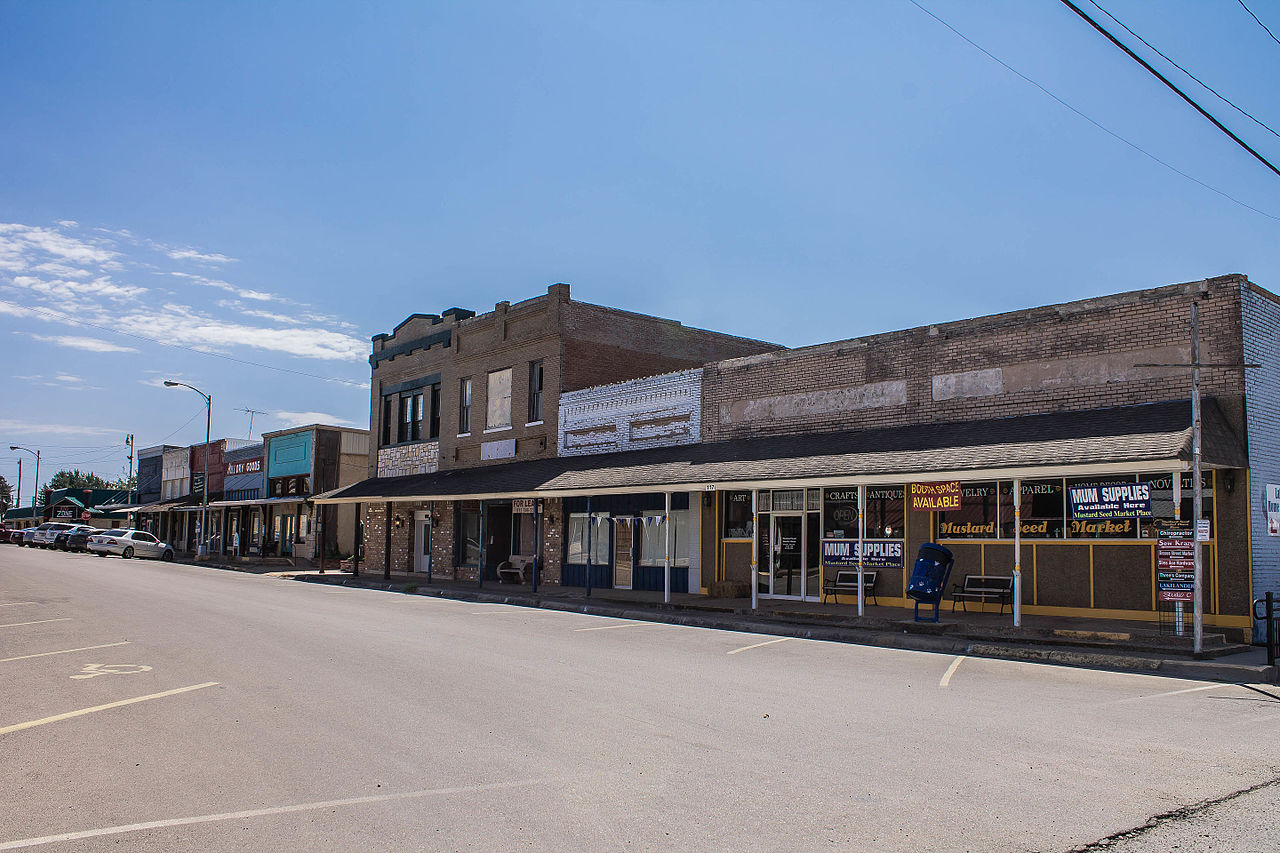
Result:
[{"x": 1157, "y": 435}]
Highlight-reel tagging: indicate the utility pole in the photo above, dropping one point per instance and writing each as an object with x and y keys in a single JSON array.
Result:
[
  {"x": 17, "y": 496},
  {"x": 1197, "y": 481}
]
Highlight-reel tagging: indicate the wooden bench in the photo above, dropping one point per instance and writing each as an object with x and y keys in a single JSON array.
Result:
[
  {"x": 846, "y": 581},
  {"x": 983, "y": 588}
]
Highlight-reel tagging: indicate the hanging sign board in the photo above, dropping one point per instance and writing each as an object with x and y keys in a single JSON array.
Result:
[
  {"x": 1203, "y": 531},
  {"x": 935, "y": 497},
  {"x": 877, "y": 553},
  {"x": 1273, "y": 510},
  {"x": 1175, "y": 561},
  {"x": 1111, "y": 500},
  {"x": 524, "y": 506}
]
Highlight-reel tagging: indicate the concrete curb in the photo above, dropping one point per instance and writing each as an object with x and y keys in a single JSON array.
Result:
[{"x": 878, "y": 637}]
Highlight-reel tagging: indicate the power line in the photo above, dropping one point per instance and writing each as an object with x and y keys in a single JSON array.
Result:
[
  {"x": 1165, "y": 80},
  {"x": 1255, "y": 17},
  {"x": 1099, "y": 125},
  {"x": 76, "y": 321},
  {"x": 1219, "y": 95}
]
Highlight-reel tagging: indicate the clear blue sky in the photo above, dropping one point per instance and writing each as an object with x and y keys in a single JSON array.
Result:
[{"x": 276, "y": 182}]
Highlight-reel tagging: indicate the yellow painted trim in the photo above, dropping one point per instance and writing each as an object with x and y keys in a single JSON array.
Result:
[
  {"x": 982, "y": 557},
  {"x": 1035, "y": 576},
  {"x": 1089, "y": 613},
  {"x": 1248, "y": 484},
  {"x": 1091, "y": 601}
]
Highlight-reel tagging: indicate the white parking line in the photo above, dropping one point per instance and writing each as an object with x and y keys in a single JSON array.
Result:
[
  {"x": 30, "y": 724},
  {"x": 16, "y": 603},
  {"x": 951, "y": 670},
  {"x": 300, "y": 807},
  {"x": 1173, "y": 693},
  {"x": 65, "y": 651},
  {"x": 758, "y": 645},
  {"x": 37, "y": 622},
  {"x": 614, "y": 627}
]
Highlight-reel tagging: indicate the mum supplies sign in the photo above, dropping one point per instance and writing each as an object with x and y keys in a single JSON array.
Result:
[{"x": 1110, "y": 500}]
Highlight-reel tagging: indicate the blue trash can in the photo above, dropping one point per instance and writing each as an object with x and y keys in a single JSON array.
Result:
[{"x": 929, "y": 577}]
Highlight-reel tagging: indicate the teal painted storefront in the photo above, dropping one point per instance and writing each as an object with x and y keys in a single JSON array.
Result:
[{"x": 289, "y": 455}]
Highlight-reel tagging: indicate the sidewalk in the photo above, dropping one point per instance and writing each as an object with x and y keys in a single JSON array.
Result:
[{"x": 1095, "y": 644}]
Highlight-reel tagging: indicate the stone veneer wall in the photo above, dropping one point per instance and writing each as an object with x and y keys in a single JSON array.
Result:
[{"x": 403, "y": 460}]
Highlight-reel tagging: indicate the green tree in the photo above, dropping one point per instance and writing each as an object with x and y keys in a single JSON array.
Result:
[
  {"x": 6, "y": 494},
  {"x": 72, "y": 479}
]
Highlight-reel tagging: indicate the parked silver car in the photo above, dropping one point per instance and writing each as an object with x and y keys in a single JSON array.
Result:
[
  {"x": 47, "y": 532},
  {"x": 129, "y": 543}
]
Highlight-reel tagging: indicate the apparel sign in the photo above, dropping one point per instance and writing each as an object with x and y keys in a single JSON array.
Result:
[
  {"x": 1175, "y": 561},
  {"x": 1111, "y": 500},
  {"x": 934, "y": 497},
  {"x": 877, "y": 553},
  {"x": 1273, "y": 510}
]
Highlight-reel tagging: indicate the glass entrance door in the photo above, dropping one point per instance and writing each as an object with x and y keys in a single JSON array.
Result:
[
  {"x": 422, "y": 538},
  {"x": 787, "y": 577}
]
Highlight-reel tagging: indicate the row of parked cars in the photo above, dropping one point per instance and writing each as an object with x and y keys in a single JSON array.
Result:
[{"x": 85, "y": 539}]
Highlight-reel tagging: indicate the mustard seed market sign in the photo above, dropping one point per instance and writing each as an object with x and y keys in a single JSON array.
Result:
[{"x": 1110, "y": 500}]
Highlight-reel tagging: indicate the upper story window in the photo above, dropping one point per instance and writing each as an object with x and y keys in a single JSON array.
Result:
[
  {"x": 464, "y": 406},
  {"x": 412, "y": 415},
  {"x": 535, "y": 391},
  {"x": 499, "y": 411},
  {"x": 388, "y": 417},
  {"x": 433, "y": 427}
]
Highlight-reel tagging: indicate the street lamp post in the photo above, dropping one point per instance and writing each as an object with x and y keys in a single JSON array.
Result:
[
  {"x": 204, "y": 487},
  {"x": 36, "y": 490}
]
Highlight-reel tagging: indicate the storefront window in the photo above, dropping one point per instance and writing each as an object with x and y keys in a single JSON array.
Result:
[
  {"x": 977, "y": 517},
  {"x": 576, "y": 541},
  {"x": 1162, "y": 501},
  {"x": 1100, "y": 528},
  {"x": 886, "y": 512},
  {"x": 1043, "y": 509},
  {"x": 467, "y": 548},
  {"x": 653, "y": 539},
  {"x": 840, "y": 513},
  {"x": 735, "y": 514}
]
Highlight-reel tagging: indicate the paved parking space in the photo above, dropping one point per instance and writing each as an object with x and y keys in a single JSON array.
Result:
[{"x": 345, "y": 718}]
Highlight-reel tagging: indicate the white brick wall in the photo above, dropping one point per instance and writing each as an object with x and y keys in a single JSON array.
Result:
[
  {"x": 407, "y": 459},
  {"x": 1261, "y": 323},
  {"x": 656, "y": 411}
]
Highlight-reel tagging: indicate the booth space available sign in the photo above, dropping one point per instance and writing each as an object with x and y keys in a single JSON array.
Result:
[
  {"x": 877, "y": 553},
  {"x": 935, "y": 497},
  {"x": 1111, "y": 500}
]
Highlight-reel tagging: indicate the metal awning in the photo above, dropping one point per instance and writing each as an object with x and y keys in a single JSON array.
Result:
[
  {"x": 1129, "y": 439},
  {"x": 262, "y": 502}
]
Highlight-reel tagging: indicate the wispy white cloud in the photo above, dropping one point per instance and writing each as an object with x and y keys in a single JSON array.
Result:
[
  {"x": 84, "y": 343},
  {"x": 17, "y": 427},
  {"x": 243, "y": 293},
  {"x": 202, "y": 257},
  {"x": 18, "y": 242},
  {"x": 293, "y": 419},
  {"x": 64, "y": 289}
]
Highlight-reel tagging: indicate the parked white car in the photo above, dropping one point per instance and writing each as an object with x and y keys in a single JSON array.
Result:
[
  {"x": 129, "y": 543},
  {"x": 46, "y": 533}
]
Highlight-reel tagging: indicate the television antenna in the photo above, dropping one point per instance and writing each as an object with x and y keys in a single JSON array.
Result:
[{"x": 250, "y": 413}]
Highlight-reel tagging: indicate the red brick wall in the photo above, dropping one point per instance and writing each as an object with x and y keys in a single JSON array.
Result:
[{"x": 1066, "y": 357}]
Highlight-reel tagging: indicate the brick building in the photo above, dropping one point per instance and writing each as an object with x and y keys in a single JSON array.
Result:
[{"x": 1018, "y": 408}]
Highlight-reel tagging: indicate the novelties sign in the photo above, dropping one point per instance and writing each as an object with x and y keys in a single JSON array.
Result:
[
  {"x": 935, "y": 497},
  {"x": 876, "y": 553},
  {"x": 1110, "y": 500}
]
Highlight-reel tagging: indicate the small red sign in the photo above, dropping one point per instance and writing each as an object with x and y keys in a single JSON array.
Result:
[{"x": 84, "y": 516}]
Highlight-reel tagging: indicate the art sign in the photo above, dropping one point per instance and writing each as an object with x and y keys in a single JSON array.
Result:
[
  {"x": 1110, "y": 500},
  {"x": 876, "y": 553},
  {"x": 1175, "y": 561},
  {"x": 935, "y": 497}
]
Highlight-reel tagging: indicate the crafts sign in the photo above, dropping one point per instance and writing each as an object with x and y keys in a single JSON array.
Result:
[
  {"x": 935, "y": 497},
  {"x": 876, "y": 553},
  {"x": 1111, "y": 500}
]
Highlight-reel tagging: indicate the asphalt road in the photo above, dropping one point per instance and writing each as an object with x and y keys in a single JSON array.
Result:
[{"x": 149, "y": 706}]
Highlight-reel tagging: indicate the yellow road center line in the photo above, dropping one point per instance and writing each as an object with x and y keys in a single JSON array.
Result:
[
  {"x": 613, "y": 627},
  {"x": 951, "y": 670},
  {"x": 70, "y": 714},
  {"x": 301, "y": 807},
  {"x": 37, "y": 622},
  {"x": 64, "y": 651},
  {"x": 758, "y": 645}
]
